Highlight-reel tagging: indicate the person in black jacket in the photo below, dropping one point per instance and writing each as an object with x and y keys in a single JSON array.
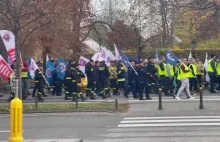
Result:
[
  {"x": 68, "y": 80},
  {"x": 96, "y": 77},
  {"x": 76, "y": 76},
  {"x": 121, "y": 70},
  {"x": 39, "y": 82},
  {"x": 104, "y": 79},
  {"x": 132, "y": 77},
  {"x": 151, "y": 70},
  {"x": 89, "y": 70},
  {"x": 141, "y": 81}
]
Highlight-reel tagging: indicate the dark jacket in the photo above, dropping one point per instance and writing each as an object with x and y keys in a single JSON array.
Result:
[
  {"x": 142, "y": 74},
  {"x": 121, "y": 71},
  {"x": 151, "y": 69},
  {"x": 132, "y": 76},
  {"x": 39, "y": 77},
  {"x": 103, "y": 73},
  {"x": 89, "y": 70},
  {"x": 96, "y": 73}
]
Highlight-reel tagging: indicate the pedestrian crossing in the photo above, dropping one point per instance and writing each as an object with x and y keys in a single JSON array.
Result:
[
  {"x": 170, "y": 121},
  {"x": 166, "y": 129}
]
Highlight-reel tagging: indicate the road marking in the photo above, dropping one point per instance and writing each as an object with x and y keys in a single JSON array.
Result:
[
  {"x": 179, "y": 120},
  {"x": 172, "y": 100},
  {"x": 175, "y": 117},
  {"x": 6, "y": 131},
  {"x": 167, "y": 125}
]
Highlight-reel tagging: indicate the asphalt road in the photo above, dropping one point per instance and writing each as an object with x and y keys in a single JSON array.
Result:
[{"x": 179, "y": 121}]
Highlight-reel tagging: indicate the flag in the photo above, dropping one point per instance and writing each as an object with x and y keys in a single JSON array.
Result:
[
  {"x": 5, "y": 69},
  {"x": 111, "y": 56},
  {"x": 32, "y": 67},
  {"x": 83, "y": 61},
  {"x": 49, "y": 69},
  {"x": 170, "y": 58},
  {"x": 9, "y": 42},
  {"x": 47, "y": 58},
  {"x": 190, "y": 56},
  {"x": 157, "y": 56},
  {"x": 61, "y": 68},
  {"x": 21, "y": 61},
  {"x": 206, "y": 68},
  {"x": 139, "y": 56},
  {"x": 96, "y": 56},
  {"x": 117, "y": 54},
  {"x": 124, "y": 59}
]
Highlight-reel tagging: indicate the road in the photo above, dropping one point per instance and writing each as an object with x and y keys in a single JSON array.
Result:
[{"x": 179, "y": 121}]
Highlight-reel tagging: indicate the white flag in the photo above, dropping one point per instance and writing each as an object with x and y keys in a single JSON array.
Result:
[
  {"x": 32, "y": 67},
  {"x": 117, "y": 54},
  {"x": 47, "y": 58},
  {"x": 97, "y": 56},
  {"x": 190, "y": 56},
  {"x": 206, "y": 68},
  {"x": 112, "y": 57},
  {"x": 9, "y": 42}
]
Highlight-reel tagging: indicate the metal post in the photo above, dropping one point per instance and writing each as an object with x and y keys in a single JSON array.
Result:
[
  {"x": 160, "y": 99},
  {"x": 76, "y": 104},
  {"x": 116, "y": 104},
  {"x": 36, "y": 103},
  {"x": 16, "y": 81},
  {"x": 201, "y": 99}
]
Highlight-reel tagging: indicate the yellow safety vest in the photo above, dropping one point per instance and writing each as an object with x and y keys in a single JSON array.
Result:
[
  {"x": 24, "y": 75},
  {"x": 160, "y": 72},
  {"x": 113, "y": 72},
  {"x": 181, "y": 74},
  {"x": 210, "y": 69},
  {"x": 194, "y": 71},
  {"x": 218, "y": 68},
  {"x": 171, "y": 71}
]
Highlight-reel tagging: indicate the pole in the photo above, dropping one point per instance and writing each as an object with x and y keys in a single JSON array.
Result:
[
  {"x": 201, "y": 98},
  {"x": 16, "y": 117},
  {"x": 160, "y": 107},
  {"x": 116, "y": 104}
]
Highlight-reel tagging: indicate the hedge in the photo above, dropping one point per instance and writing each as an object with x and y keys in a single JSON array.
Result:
[{"x": 179, "y": 53}]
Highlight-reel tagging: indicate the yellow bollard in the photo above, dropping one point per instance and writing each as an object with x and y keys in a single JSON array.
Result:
[{"x": 16, "y": 122}]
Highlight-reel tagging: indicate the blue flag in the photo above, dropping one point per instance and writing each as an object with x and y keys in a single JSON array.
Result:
[
  {"x": 124, "y": 59},
  {"x": 61, "y": 68},
  {"x": 170, "y": 58},
  {"x": 157, "y": 56},
  {"x": 49, "y": 69}
]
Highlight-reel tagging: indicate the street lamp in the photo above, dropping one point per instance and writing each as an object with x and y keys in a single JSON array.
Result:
[{"x": 193, "y": 46}]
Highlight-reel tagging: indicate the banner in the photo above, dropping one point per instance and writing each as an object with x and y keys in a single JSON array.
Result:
[
  {"x": 206, "y": 69},
  {"x": 61, "y": 68},
  {"x": 157, "y": 57},
  {"x": 49, "y": 69},
  {"x": 5, "y": 69},
  {"x": 83, "y": 61},
  {"x": 32, "y": 67},
  {"x": 9, "y": 42}
]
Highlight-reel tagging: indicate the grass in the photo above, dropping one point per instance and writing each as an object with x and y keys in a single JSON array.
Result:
[{"x": 69, "y": 107}]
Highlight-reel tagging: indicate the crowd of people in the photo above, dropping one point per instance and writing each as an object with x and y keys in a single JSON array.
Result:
[{"x": 140, "y": 77}]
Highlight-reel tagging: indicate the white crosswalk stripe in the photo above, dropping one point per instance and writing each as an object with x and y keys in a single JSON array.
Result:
[
  {"x": 166, "y": 129},
  {"x": 170, "y": 121}
]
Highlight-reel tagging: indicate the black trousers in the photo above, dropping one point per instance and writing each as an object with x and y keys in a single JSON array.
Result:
[
  {"x": 113, "y": 85},
  {"x": 68, "y": 86},
  {"x": 58, "y": 87},
  {"x": 40, "y": 89},
  {"x": 199, "y": 80},
  {"x": 212, "y": 82},
  {"x": 169, "y": 85},
  {"x": 140, "y": 89},
  {"x": 147, "y": 88},
  {"x": 91, "y": 88},
  {"x": 131, "y": 87},
  {"x": 193, "y": 84}
]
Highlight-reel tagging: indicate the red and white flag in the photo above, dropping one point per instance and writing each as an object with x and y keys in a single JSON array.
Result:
[
  {"x": 9, "y": 42},
  {"x": 5, "y": 69}
]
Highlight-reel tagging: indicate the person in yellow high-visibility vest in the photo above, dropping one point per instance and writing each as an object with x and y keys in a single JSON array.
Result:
[
  {"x": 161, "y": 72},
  {"x": 193, "y": 78},
  {"x": 212, "y": 73},
  {"x": 184, "y": 77},
  {"x": 169, "y": 75},
  {"x": 199, "y": 71},
  {"x": 218, "y": 73}
]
